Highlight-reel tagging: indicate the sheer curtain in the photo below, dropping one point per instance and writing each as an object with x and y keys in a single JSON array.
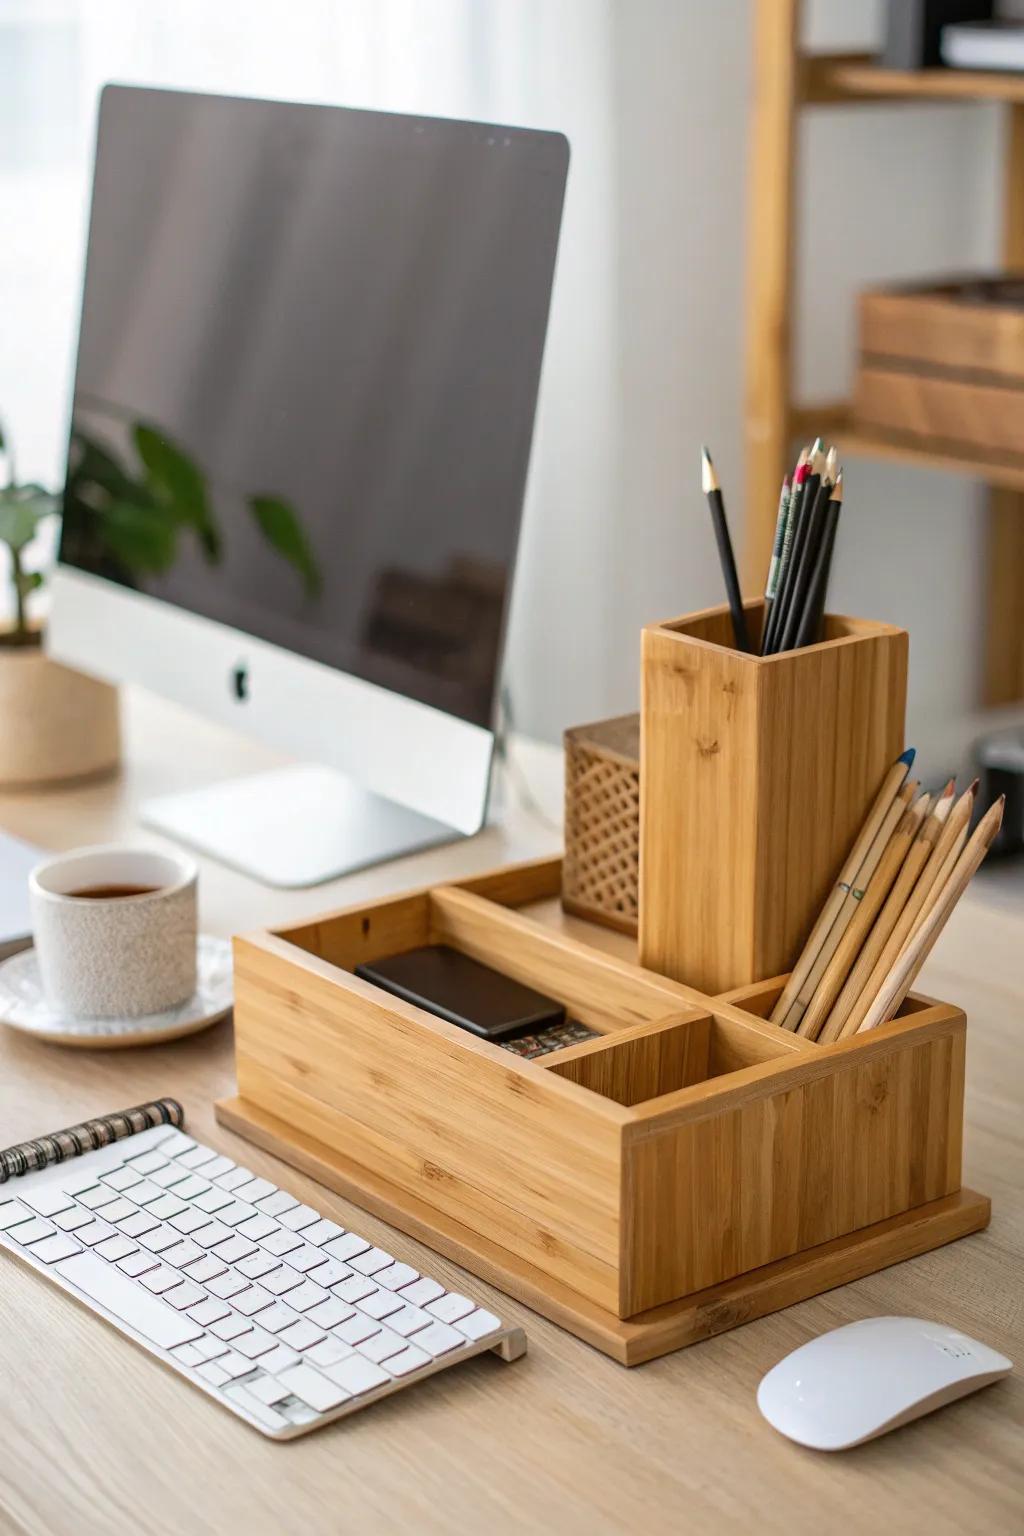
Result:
[{"x": 541, "y": 63}]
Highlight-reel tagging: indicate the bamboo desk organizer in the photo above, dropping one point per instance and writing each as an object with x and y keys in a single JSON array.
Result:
[
  {"x": 692, "y": 1168},
  {"x": 756, "y": 773}
]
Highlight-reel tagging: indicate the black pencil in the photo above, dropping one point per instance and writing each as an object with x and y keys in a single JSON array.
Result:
[
  {"x": 794, "y": 522},
  {"x": 814, "y": 610},
  {"x": 815, "y": 524},
  {"x": 713, "y": 492},
  {"x": 801, "y": 532}
]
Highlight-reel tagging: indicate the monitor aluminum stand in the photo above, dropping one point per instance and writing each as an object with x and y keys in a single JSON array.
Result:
[{"x": 294, "y": 826}]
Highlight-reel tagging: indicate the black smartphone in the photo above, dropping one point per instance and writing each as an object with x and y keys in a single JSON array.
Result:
[{"x": 464, "y": 992}]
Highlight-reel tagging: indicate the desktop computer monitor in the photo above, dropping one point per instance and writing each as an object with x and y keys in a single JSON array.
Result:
[{"x": 307, "y": 372}]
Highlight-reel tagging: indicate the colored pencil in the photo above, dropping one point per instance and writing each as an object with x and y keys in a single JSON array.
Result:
[
  {"x": 772, "y": 579},
  {"x": 815, "y": 529},
  {"x": 814, "y": 608},
  {"x": 713, "y": 492},
  {"x": 793, "y": 523}
]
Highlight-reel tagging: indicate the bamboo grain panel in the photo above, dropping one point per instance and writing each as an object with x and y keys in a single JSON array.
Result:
[{"x": 601, "y": 874}]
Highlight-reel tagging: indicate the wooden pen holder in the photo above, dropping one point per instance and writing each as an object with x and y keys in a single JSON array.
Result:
[
  {"x": 690, "y": 1168},
  {"x": 755, "y": 774}
]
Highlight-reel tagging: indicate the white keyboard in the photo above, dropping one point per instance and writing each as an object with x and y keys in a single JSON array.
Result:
[{"x": 286, "y": 1318}]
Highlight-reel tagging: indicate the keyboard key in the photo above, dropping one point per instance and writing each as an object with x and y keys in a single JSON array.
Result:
[
  {"x": 255, "y": 1189},
  {"x": 58, "y": 1246},
  {"x": 369, "y": 1262},
  {"x": 477, "y": 1324},
  {"x": 328, "y": 1352},
  {"x": 195, "y": 1158},
  {"x": 355, "y": 1288},
  {"x": 146, "y": 1192},
  {"x": 411, "y": 1359},
  {"x": 356, "y": 1328},
  {"x": 160, "y": 1279},
  {"x": 147, "y": 1315},
  {"x": 185, "y": 1251},
  {"x": 450, "y": 1307},
  {"x": 281, "y": 1242},
  {"x": 408, "y": 1321},
  {"x": 209, "y": 1347},
  {"x": 381, "y": 1304},
  {"x": 166, "y": 1207},
  {"x": 232, "y": 1177},
  {"x": 233, "y": 1364},
  {"x": 47, "y": 1201},
  {"x": 160, "y": 1238},
  {"x": 234, "y": 1248},
  {"x": 209, "y": 1312},
  {"x": 279, "y": 1359},
  {"x": 278, "y": 1202},
  {"x": 438, "y": 1339},
  {"x": 99, "y": 1195},
  {"x": 184, "y": 1295},
  {"x": 255, "y": 1343},
  {"x": 329, "y": 1313},
  {"x": 330, "y": 1272},
  {"x": 256, "y": 1265},
  {"x": 305, "y": 1258},
  {"x": 115, "y": 1248},
  {"x": 381, "y": 1346},
  {"x": 121, "y": 1178},
  {"x": 234, "y": 1214},
  {"x": 138, "y": 1263},
  {"x": 345, "y": 1247},
  {"x": 135, "y": 1226},
  {"x": 277, "y": 1317},
  {"x": 298, "y": 1217},
  {"x": 204, "y": 1271},
  {"x": 282, "y": 1280},
  {"x": 255, "y": 1408},
  {"x": 268, "y": 1389},
  {"x": 305, "y": 1296},
  {"x": 396, "y": 1275},
  {"x": 257, "y": 1227},
  {"x": 147, "y": 1162},
  {"x": 252, "y": 1300},
  {"x": 67, "y": 1220},
  {"x": 321, "y": 1232},
  {"x": 220, "y": 1165},
  {"x": 187, "y": 1354},
  {"x": 191, "y": 1188},
  {"x": 13, "y": 1212},
  {"x": 118, "y": 1209},
  {"x": 94, "y": 1233},
  {"x": 213, "y": 1233},
  {"x": 311, "y": 1387},
  {"x": 169, "y": 1176},
  {"x": 31, "y": 1231},
  {"x": 227, "y": 1284},
  {"x": 212, "y": 1373},
  {"x": 301, "y": 1335},
  {"x": 356, "y": 1375},
  {"x": 212, "y": 1200},
  {"x": 230, "y": 1327},
  {"x": 420, "y": 1292},
  {"x": 190, "y": 1220}
]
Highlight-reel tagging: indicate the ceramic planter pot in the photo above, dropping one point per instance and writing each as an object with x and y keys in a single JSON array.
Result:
[{"x": 55, "y": 723}]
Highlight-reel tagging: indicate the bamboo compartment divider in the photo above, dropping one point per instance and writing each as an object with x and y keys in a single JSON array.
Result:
[
  {"x": 756, "y": 774},
  {"x": 691, "y": 1168}
]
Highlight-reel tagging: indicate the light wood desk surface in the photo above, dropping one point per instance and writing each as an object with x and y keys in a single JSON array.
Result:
[{"x": 97, "y": 1437}]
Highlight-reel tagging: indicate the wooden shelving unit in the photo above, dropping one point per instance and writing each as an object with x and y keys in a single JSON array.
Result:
[{"x": 787, "y": 81}]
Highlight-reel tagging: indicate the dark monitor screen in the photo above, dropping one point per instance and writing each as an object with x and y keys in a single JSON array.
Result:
[{"x": 307, "y": 371}]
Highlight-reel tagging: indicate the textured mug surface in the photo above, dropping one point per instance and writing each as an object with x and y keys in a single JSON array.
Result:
[{"x": 115, "y": 956}]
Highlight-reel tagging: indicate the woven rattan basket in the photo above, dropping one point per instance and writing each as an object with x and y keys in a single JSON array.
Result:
[{"x": 602, "y": 822}]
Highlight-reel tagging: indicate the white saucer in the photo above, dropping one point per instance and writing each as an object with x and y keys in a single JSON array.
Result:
[{"x": 23, "y": 1006}]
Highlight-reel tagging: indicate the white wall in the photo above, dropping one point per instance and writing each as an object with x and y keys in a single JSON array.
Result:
[{"x": 644, "y": 358}]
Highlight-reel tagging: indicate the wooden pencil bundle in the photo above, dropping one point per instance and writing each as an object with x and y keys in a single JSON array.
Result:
[
  {"x": 901, "y": 977},
  {"x": 890, "y": 787},
  {"x": 863, "y": 914}
]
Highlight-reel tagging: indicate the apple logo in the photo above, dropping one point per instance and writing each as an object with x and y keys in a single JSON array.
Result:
[{"x": 240, "y": 682}]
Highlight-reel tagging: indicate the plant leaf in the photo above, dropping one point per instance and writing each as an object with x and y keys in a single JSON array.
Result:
[
  {"x": 179, "y": 482},
  {"x": 279, "y": 522},
  {"x": 143, "y": 538},
  {"x": 18, "y": 521}
]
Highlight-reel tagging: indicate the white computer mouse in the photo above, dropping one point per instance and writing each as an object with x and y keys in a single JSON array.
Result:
[{"x": 867, "y": 1378}]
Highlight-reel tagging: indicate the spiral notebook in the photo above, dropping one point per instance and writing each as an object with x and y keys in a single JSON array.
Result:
[{"x": 74, "y": 1140}]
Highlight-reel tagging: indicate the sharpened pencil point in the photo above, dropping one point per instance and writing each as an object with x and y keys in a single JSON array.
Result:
[
  {"x": 972, "y": 788},
  {"x": 708, "y": 478},
  {"x": 949, "y": 790},
  {"x": 907, "y": 756}
]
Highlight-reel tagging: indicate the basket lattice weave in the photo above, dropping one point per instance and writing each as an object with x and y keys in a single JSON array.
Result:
[{"x": 600, "y": 878}]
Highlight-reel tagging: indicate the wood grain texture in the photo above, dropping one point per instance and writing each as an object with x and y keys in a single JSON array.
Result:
[
  {"x": 640, "y": 1063},
  {"x": 756, "y": 774},
  {"x": 609, "y": 1452},
  {"x": 980, "y": 416},
  {"x": 600, "y": 876},
  {"x": 935, "y": 326}
]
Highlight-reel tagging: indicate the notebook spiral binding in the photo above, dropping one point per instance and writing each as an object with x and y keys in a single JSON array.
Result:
[{"x": 28, "y": 1156}]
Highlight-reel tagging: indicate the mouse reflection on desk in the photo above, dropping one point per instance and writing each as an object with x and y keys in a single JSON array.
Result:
[{"x": 866, "y": 1378}]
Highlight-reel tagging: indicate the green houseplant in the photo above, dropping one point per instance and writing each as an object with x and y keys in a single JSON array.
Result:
[{"x": 55, "y": 723}]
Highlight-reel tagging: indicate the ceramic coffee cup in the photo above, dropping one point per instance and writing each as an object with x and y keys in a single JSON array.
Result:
[{"x": 115, "y": 931}]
